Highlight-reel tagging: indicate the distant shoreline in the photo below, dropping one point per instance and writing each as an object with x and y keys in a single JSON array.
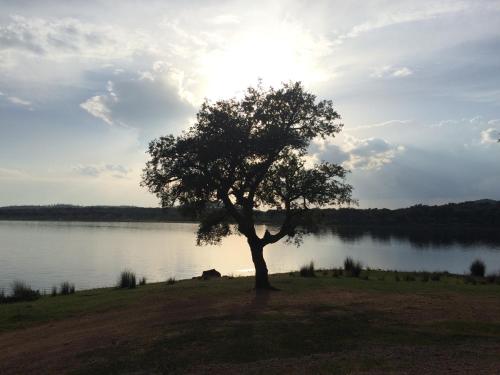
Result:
[{"x": 483, "y": 212}]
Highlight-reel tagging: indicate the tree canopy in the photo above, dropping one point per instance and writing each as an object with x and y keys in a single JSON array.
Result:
[{"x": 246, "y": 154}]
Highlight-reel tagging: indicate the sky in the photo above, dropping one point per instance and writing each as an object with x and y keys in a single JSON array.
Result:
[{"x": 85, "y": 85}]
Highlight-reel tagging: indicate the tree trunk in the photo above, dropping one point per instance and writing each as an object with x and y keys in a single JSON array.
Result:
[{"x": 261, "y": 273}]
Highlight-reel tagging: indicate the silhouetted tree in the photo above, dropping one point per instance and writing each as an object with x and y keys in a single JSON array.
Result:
[{"x": 249, "y": 153}]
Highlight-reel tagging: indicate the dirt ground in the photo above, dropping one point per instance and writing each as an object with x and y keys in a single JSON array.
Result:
[{"x": 62, "y": 346}]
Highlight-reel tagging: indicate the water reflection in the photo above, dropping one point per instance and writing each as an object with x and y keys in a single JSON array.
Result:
[
  {"x": 420, "y": 237},
  {"x": 93, "y": 254}
]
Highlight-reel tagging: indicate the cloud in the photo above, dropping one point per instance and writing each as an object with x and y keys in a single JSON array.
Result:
[
  {"x": 400, "y": 16},
  {"x": 490, "y": 135},
  {"x": 402, "y": 72},
  {"x": 67, "y": 37},
  {"x": 12, "y": 174},
  {"x": 369, "y": 153},
  {"x": 100, "y": 105},
  {"x": 145, "y": 100},
  {"x": 113, "y": 170},
  {"x": 357, "y": 153},
  {"x": 225, "y": 19},
  {"x": 384, "y": 124},
  {"x": 390, "y": 71},
  {"x": 19, "y": 101}
]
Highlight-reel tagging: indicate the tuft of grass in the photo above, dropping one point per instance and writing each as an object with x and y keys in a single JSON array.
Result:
[
  {"x": 409, "y": 277},
  {"x": 307, "y": 270},
  {"x": 66, "y": 288},
  {"x": 352, "y": 268},
  {"x": 171, "y": 281},
  {"x": 336, "y": 272},
  {"x": 142, "y": 281},
  {"x": 21, "y": 291},
  {"x": 493, "y": 278},
  {"x": 477, "y": 268},
  {"x": 435, "y": 276},
  {"x": 127, "y": 280},
  {"x": 468, "y": 279}
]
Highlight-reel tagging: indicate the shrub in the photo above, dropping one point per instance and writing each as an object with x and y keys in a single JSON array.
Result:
[
  {"x": 477, "y": 268},
  {"x": 336, "y": 272},
  {"x": 425, "y": 277},
  {"x": 23, "y": 292},
  {"x": 142, "y": 281},
  {"x": 2, "y": 296},
  {"x": 127, "y": 280},
  {"x": 171, "y": 280},
  {"x": 396, "y": 276},
  {"x": 493, "y": 278},
  {"x": 352, "y": 268},
  {"x": 307, "y": 270},
  {"x": 470, "y": 280},
  {"x": 67, "y": 288},
  {"x": 435, "y": 276},
  {"x": 409, "y": 277},
  {"x": 53, "y": 291}
]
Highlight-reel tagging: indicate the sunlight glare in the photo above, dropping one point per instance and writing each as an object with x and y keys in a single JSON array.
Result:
[{"x": 274, "y": 54}]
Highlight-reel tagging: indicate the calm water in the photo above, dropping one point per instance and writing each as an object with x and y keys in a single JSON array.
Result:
[{"x": 93, "y": 254}]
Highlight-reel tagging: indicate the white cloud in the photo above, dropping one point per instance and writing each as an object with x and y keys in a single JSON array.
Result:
[
  {"x": 99, "y": 105},
  {"x": 490, "y": 135},
  {"x": 9, "y": 174},
  {"x": 406, "y": 15},
  {"x": 369, "y": 153},
  {"x": 390, "y": 71},
  {"x": 18, "y": 101},
  {"x": 402, "y": 72},
  {"x": 357, "y": 153},
  {"x": 384, "y": 124},
  {"x": 68, "y": 37},
  {"x": 226, "y": 19},
  {"x": 112, "y": 170}
]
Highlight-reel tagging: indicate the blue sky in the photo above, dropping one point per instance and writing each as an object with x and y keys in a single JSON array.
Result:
[{"x": 85, "y": 85}]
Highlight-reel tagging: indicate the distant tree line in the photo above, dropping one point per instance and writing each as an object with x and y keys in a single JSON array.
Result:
[
  {"x": 483, "y": 213},
  {"x": 91, "y": 213}
]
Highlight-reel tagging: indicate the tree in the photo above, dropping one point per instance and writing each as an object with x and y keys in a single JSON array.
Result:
[{"x": 241, "y": 155}]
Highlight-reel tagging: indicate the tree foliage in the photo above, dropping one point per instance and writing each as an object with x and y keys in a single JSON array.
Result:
[{"x": 245, "y": 154}]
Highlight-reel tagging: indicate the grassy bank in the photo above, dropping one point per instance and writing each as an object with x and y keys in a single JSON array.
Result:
[{"x": 325, "y": 324}]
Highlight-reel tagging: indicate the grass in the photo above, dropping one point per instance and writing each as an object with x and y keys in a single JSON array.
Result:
[
  {"x": 307, "y": 270},
  {"x": 66, "y": 288},
  {"x": 336, "y": 320},
  {"x": 21, "y": 291},
  {"x": 352, "y": 268},
  {"x": 127, "y": 280}
]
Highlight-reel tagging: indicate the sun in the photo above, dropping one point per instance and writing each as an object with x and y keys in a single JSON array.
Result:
[{"x": 275, "y": 54}]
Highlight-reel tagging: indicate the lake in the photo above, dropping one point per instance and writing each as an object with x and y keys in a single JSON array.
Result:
[{"x": 93, "y": 254}]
